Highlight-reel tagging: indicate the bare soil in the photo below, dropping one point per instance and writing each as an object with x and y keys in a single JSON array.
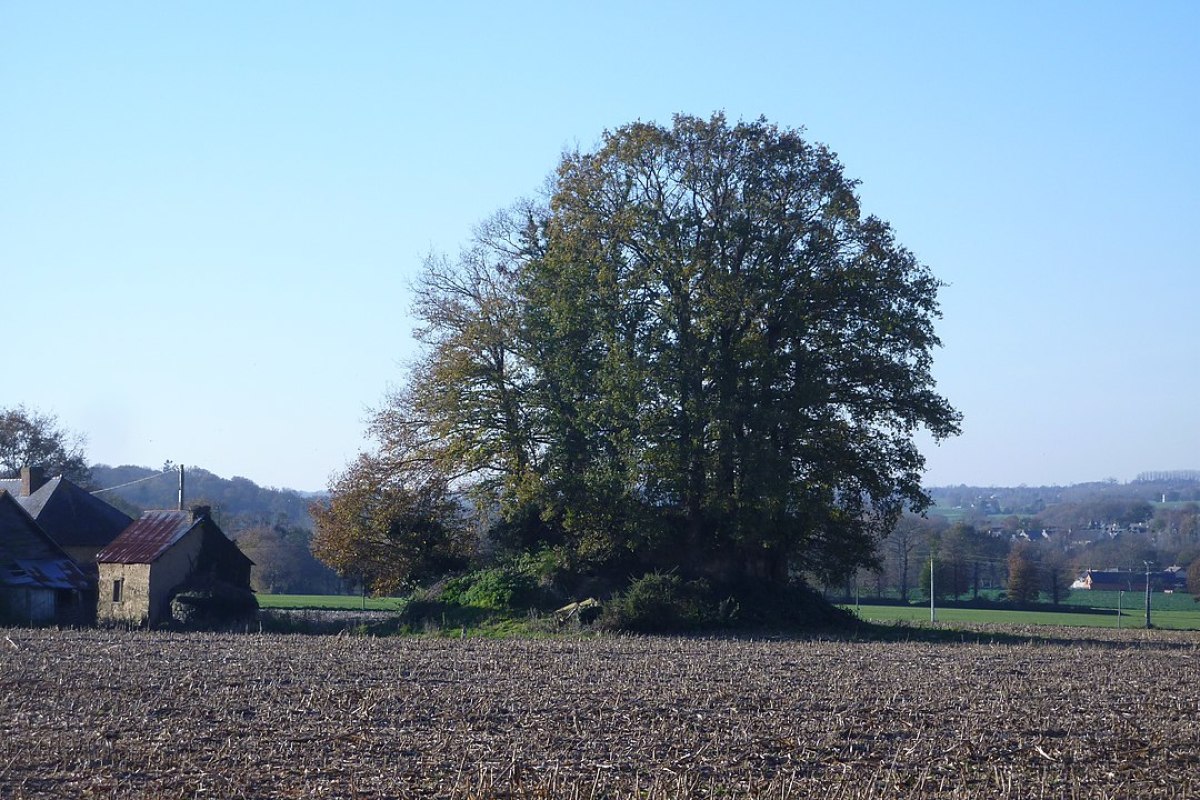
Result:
[{"x": 103, "y": 714}]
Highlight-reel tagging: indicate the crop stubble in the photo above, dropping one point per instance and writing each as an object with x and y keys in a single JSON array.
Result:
[{"x": 94, "y": 713}]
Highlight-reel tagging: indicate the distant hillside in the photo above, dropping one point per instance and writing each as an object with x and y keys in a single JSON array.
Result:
[
  {"x": 238, "y": 503},
  {"x": 1181, "y": 486}
]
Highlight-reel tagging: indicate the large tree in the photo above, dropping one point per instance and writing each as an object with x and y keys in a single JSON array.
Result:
[
  {"x": 724, "y": 343},
  {"x": 387, "y": 529},
  {"x": 30, "y": 438},
  {"x": 698, "y": 354},
  {"x": 1024, "y": 577}
]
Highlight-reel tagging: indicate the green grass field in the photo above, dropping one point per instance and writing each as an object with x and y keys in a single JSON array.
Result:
[
  {"x": 1175, "y": 612},
  {"x": 1131, "y": 618},
  {"x": 1158, "y": 600},
  {"x": 329, "y": 602}
]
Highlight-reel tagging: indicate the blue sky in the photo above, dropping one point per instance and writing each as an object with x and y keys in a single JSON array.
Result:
[{"x": 210, "y": 212}]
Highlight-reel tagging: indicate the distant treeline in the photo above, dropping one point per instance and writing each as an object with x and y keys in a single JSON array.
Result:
[
  {"x": 1192, "y": 475},
  {"x": 1035, "y": 541},
  {"x": 238, "y": 503},
  {"x": 1150, "y": 487}
]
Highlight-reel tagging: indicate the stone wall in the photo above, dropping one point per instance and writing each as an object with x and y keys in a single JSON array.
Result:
[
  {"x": 133, "y": 607},
  {"x": 171, "y": 570}
]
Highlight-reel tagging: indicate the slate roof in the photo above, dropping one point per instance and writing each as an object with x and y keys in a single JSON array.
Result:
[
  {"x": 71, "y": 515},
  {"x": 28, "y": 557},
  {"x": 148, "y": 538}
]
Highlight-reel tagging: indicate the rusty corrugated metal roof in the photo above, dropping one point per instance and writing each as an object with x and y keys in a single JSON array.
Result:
[{"x": 147, "y": 538}]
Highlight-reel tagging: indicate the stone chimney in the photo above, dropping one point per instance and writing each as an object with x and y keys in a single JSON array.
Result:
[
  {"x": 201, "y": 512},
  {"x": 32, "y": 479}
]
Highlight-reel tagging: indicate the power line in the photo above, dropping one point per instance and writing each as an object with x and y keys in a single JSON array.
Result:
[{"x": 131, "y": 483}]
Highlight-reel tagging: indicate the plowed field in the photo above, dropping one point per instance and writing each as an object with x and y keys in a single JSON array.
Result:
[{"x": 132, "y": 714}]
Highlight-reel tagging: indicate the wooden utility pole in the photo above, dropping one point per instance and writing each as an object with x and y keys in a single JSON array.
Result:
[
  {"x": 1147, "y": 563},
  {"x": 932, "y": 593}
]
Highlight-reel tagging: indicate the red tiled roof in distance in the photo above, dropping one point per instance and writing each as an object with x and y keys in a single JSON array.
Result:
[{"x": 147, "y": 538}]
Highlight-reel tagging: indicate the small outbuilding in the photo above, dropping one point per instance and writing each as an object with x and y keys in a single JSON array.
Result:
[
  {"x": 39, "y": 583},
  {"x": 167, "y": 556}
]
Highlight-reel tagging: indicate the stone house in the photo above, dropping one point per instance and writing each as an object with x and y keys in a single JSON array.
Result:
[
  {"x": 161, "y": 556},
  {"x": 78, "y": 521},
  {"x": 39, "y": 583}
]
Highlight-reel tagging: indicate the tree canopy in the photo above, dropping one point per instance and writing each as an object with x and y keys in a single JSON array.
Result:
[
  {"x": 696, "y": 354},
  {"x": 30, "y": 438},
  {"x": 385, "y": 530}
]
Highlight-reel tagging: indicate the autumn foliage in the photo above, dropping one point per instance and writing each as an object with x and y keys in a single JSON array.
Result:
[{"x": 699, "y": 355}]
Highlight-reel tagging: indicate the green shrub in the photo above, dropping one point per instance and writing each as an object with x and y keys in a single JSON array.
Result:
[
  {"x": 500, "y": 589},
  {"x": 217, "y": 604},
  {"x": 661, "y": 603},
  {"x": 665, "y": 603},
  {"x": 520, "y": 583},
  {"x": 449, "y": 591},
  {"x": 544, "y": 566}
]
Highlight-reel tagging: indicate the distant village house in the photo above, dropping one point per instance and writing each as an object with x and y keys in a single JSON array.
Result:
[{"x": 1173, "y": 579}]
